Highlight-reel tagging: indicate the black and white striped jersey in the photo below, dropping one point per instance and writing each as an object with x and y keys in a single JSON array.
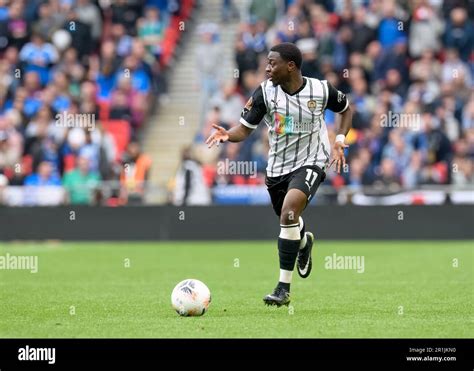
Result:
[{"x": 296, "y": 129}]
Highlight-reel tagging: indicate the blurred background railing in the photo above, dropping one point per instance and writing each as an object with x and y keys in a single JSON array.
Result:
[{"x": 114, "y": 193}]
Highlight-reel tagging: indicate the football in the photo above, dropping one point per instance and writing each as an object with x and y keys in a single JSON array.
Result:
[{"x": 190, "y": 298}]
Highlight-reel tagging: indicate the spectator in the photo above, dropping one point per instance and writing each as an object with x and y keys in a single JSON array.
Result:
[
  {"x": 356, "y": 174},
  {"x": 228, "y": 10},
  {"x": 17, "y": 25},
  {"x": 230, "y": 104},
  {"x": 49, "y": 21},
  {"x": 254, "y": 36},
  {"x": 120, "y": 106},
  {"x": 412, "y": 175},
  {"x": 151, "y": 31},
  {"x": 246, "y": 59},
  {"x": 392, "y": 58},
  {"x": 131, "y": 69},
  {"x": 425, "y": 30},
  {"x": 462, "y": 171},
  {"x": 135, "y": 100},
  {"x": 89, "y": 14},
  {"x": 455, "y": 69},
  {"x": 435, "y": 148},
  {"x": 387, "y": 179},
  {"x": 391, "y": 28},
  {"x": 426, "y": 68},
  {"x": 81, "y": 183},
  {"x": 44, "y": 177},
  {"x": 8, "y": 156},
  {"x": 91, "y": 151},
  {"x": 363, "y": 102},
  {"x": 108, "y": 153},
  {"x": 122, "y": 40},
  {"x": 11, "y": 144},
  {"x": 107, "y": 71},
  {"x": 468, "y": 116},
  {"x": 190, "y": 189},
  {"x": 38, "y": 56},
  {"x": 310, "y": 66},
  {"x": 125, "y": 14},
  {"x": 398, "y": 150},
  {"x": 362, "y": 33},
  {"x": 135, "y": 173},
  {"x": 459, "y": 33},
  {"x": 265, "y": 10},
  {"x": 80, "y": 32},
  {"x": 208, "y": 54}
]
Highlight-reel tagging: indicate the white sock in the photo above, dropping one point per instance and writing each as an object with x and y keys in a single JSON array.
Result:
[
  {"x": 304, "y": 239},
  {"x": 285, "y": 276}
]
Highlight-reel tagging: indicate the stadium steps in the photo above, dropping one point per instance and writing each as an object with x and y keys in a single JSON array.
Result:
[{"x": 177, "y": 121}]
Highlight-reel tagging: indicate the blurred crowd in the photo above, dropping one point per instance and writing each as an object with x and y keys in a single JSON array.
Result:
[
  {"x": 79, "y": 59},
  {"x": 407, "y": 67}
]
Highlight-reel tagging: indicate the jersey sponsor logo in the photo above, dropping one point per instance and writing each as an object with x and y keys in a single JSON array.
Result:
[
  {"x": 283, "y": 124},
  {"x": 288, "y": 125},
  {"x": 311, "y": 105}
]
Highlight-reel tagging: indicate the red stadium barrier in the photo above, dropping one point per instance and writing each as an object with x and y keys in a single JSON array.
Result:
[
  {"x": 120, "y": 130},
  {"x": 69, "y": 162},
  {"x": 173, "y": 32}
]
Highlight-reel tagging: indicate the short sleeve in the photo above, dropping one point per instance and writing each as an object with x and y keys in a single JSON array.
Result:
[
  {"x": 254, "y": 110},
  {"x": 337, "y": 100}
]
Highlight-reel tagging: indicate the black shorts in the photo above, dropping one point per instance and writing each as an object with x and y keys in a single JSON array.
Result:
[{"x": 307, "y": 179}]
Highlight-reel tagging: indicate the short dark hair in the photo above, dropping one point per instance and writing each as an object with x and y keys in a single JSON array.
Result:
[{"x": 289, "y": 52}]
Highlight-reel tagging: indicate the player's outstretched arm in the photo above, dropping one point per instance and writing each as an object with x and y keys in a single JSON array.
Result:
[
  {"x": 339, "y": 145},
  {"x": 236, "y": 134}
]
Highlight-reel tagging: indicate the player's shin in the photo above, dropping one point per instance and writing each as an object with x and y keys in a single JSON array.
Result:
[{"x": 288, "y": 247}]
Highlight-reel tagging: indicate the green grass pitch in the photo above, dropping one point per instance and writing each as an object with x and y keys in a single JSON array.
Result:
[{"x": 408, "y": 289}]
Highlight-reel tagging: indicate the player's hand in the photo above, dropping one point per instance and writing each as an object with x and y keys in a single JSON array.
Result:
[
  {"x": 218, "y": 136},
  {"x": 338, "y": 156}
]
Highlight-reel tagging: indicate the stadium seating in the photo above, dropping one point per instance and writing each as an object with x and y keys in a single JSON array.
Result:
[{"x": 87, "y": 58}]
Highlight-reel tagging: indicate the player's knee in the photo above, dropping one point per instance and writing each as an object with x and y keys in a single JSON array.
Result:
[{"x": 289, "y": 215}]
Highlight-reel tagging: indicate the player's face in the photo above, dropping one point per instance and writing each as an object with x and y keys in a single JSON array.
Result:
[{"x": 277, "y": 69}]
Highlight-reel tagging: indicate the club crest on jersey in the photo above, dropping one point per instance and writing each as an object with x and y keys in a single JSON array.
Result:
[
  {"x": 248, "y": 106},
  {"x": 312, "y": 105},
  {"x": 340, "y": 96}
]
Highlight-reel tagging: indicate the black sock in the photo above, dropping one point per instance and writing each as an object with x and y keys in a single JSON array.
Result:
[
  {"x": 302, "y": 231},
  {"x": 287, "y": 252}
]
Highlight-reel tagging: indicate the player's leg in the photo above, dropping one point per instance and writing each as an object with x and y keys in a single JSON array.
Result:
[
  {"x": 288, "y": 245},
  {"x": 289, "y": 240},
  {"x": 307, "y": 179}
]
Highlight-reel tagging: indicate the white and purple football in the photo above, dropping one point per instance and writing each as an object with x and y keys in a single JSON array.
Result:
[{"x": 191, "y": 298}]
